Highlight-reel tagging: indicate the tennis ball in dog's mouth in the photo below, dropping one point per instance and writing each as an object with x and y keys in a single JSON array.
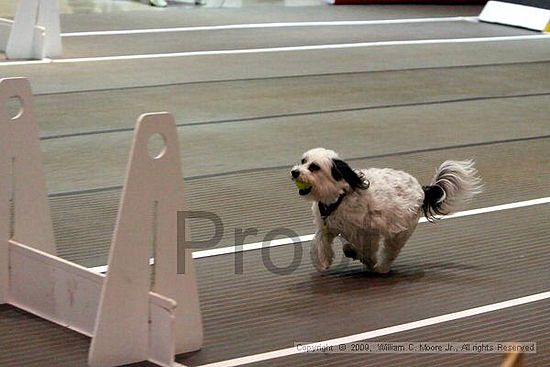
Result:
[{"x": 302, "y": 185}]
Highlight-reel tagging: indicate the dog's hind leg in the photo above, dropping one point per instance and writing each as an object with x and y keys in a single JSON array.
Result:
[
  {"x": 366, "y": 253},
  {"x": 389, "y": 250},
  {"x": 349, "y": 251}
]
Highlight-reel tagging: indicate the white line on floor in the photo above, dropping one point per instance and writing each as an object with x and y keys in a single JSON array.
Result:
[
  {"x": 26, "y": 62},
  {"x": 385, "y": 331},
  {"x": 287, "y": 241},
  {"x": 268, "y": 25},
  {"x": 285, "y": 49}
]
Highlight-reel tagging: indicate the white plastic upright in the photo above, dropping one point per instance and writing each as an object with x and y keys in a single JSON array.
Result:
[
  {"x": 35, "y": 31},
  {"x": 22, "y": 181},
  {"x": 48, "y": 17},
  {"x": 152, "y": 195}
]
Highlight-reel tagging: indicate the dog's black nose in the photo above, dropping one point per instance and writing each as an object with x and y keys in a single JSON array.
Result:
[{"x": 295, "y": 173}]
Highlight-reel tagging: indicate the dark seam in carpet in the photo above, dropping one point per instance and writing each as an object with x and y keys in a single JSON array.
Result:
[
  {"x": 297, "y": 114},
  {"x": 263, "y": 169}
]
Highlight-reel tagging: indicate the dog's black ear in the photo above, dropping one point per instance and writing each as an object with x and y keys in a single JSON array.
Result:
[{"x": 341, "y": 171}]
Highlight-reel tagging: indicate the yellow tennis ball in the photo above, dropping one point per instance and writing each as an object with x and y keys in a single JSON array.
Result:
[{"x": 302, "y": 185}]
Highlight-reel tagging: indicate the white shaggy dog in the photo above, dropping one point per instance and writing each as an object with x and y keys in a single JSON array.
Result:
[{"x": 375, "y": 210}]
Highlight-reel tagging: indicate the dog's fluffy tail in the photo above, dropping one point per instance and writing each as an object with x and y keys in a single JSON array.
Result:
[{"x": 454, "y": 183}]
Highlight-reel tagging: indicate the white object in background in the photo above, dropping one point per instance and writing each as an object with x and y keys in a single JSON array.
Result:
[
  {"x": 516, "y": 15},
  {"x": 147, "y": 218},
  {"x": 34, "y": 33},
  {"x": 34, "y": 279},
  {"x": 39, "y": 33}
]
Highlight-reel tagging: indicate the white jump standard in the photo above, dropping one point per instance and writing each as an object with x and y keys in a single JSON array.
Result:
[
  {"x": 34, "y": 33},
  {"x": 126, "y": 319}
]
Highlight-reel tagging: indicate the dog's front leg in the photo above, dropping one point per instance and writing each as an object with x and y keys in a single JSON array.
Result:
[{"x": 321, "y": 251}]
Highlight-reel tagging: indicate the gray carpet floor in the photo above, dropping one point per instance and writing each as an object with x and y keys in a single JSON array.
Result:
[{"x": 245, "y": 118}]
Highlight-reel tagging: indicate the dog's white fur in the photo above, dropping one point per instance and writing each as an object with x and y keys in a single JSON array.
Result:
[{"x": 376, "y": 222}]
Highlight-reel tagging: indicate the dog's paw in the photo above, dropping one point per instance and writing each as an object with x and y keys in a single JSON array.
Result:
[
  {"x": 381, "y": 268},
  {"x": 321, "y": 260},
  {"x": 349, "y": 251},
  {"x": 322, "y": 266}
]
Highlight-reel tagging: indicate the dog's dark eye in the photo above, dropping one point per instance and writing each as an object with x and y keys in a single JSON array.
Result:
[
  {"x": 313, "y": 167},
  {"x": 304, "y": 161}
]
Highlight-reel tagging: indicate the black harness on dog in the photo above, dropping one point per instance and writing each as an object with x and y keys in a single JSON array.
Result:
[{"x": 326, "y": 210}]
